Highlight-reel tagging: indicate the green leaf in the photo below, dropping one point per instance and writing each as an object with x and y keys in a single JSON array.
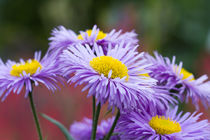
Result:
[
  {"x": 59, "y": 125},
  {"x": 113, "y": 134},
  {"x": 109, "y": 111},
  {"x": 45, "y": 138}
]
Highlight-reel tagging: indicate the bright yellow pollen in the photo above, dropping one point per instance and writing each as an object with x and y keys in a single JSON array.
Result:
[
  {"x": 186, "y": 74},
  {"x": 104, "y": 64},
  {"x": 164, "y": 125},
  {"x": 30, "y": 66},
  {"x": 101, "y": 35},
  {"x": 145, "y": 74}
]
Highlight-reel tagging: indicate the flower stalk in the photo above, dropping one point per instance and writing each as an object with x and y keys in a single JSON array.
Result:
[
  {"x": 107, "y": 137},
  {"x": 95, "y": 122},
  {"x": 35, "y": 115},
  {"x": 94, "y": 107}
]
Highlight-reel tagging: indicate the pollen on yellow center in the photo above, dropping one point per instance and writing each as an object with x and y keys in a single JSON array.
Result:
[
  {"x": 101, "y": 35},
  {"x": 164, "y": 125},
  {"x": 104, "y": 64},
  {"x": 30, "y": 66},
  {"x": 144, "y": 74},
  {"x": 186, "y": 74}
]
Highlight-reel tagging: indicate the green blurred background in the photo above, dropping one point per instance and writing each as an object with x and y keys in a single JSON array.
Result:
[{"x": 180, "y": 28}]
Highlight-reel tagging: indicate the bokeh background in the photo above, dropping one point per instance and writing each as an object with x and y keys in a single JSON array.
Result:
[{"x": 180, "y": 28}]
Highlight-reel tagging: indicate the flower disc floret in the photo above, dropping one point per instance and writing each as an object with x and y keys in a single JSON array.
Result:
[
  {"x": 30, "y": 67},
  {"x": 105, "y": 64},
  {"x": 100, "y": 35},
  {"x": 186, "y": 74},
  {"x": 164, "y": 125}
]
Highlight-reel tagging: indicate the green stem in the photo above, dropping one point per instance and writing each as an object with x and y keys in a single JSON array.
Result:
[
  {"x": 95, "y": 122},
  {"x": 35, "y": 115},
  {"x": 94, "y": 107},
  {"x": 107, "y": 137}
]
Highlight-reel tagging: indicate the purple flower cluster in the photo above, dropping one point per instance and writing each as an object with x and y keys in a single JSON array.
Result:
[{"x": 144, "y": 89}]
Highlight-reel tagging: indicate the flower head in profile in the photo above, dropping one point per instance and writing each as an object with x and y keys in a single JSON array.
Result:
[
  {"x": 116, "y": 77},
  {"x": 63, "y": 38},
  {"x": 178, "y": 80},
  {"x": 168, "y": 126},
  {"x": 82, "y": 130},
  {"x": 95, "y": 35},
  {"x": 14, "y": 77}
]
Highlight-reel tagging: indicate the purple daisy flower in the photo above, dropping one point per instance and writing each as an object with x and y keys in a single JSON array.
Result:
[
  {"x": 168, "y": 126},
  {"x": 114, "y": 37},
  {"x": 82, "y": 130},
  {"x": 116, "y": 77},
  {"x": 62, "y": 38},
  {"x": 14, "y": 77},
  {"x": 178, "y": 80}
]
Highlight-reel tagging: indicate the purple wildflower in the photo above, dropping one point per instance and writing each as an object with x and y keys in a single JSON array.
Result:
[
  {"x": 177, "y": 80},
  {"x": 116, "y": 77},
  {"x": 62, "y": 38},
  {"x": 168, "y": 126},
  {"x": 14, "y": 77},
  {"x": 82, "y": 130}
]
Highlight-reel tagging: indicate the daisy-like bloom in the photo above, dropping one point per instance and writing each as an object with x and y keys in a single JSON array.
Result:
[
  {"x": 168, "y": 126},
  {"x": 114, "y": 77},
  {"x": 114, "y": 37},
  {"x": 82, "y": 130},
  {"x": 62, "y": 38},
  {"x": 14, "y": 77},
  {"x": 178, "y": 80}
]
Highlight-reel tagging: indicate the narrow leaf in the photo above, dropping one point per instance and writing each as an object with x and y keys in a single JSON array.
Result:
[
  {"x": 59, "y": 125},
  {"x": 109, "y": 111}
]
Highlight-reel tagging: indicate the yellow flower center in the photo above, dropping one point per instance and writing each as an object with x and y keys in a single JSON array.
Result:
[
  {"x": 164, "y": 125},
  {"x": 101, "y": 35},
  {"x": 30, "y": 66},
  {"x": 186, "y": 74},
  {"x": 104, "y": 64}
]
